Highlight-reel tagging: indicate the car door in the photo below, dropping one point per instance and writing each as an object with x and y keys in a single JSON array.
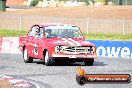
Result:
[
  {"x": 38, "y": 42},
  {"x": 31, "y": 37},
  {"x": 29, "y": 46}
]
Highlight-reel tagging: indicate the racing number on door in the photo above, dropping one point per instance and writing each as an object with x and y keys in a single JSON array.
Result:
[{"x": 35, "y": 49}]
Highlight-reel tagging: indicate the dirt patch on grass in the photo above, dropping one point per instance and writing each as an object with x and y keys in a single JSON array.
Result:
[
  {"x": 88, "y": 11},
  {"x": 91, "y": 19}
]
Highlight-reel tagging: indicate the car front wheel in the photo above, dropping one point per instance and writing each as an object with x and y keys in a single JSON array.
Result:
[
  {"x": 48, "y": 61},
  {"x": 26, "y": 57}
]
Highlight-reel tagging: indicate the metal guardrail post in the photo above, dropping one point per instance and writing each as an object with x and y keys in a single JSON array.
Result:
[{"x": 20, "y": 21}]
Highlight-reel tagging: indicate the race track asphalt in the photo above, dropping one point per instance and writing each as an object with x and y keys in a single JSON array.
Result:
[{"x": 63, "y": 75}]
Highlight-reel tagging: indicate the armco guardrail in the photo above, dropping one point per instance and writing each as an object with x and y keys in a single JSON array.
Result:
[{"x": 118, "y": 49}]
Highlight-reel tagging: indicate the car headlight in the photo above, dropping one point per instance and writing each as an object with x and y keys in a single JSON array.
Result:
[
  {"x": 58, "y": 49},
  {"x": 94, "y": 49}
]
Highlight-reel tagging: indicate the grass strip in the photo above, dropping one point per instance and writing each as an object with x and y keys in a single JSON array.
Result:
[
  {"x": 90, "y": 36},
  {"x": 102, "y": 36},
  {"x": 11, "y": 33}
]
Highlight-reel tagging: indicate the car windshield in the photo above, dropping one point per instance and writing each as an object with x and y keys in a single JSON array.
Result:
[{"x": 63, "y": 32}]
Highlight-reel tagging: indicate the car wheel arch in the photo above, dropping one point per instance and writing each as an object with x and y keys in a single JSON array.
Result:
[
  {"x": 29, "y": 59},
  {"x": 24, "y": 47},
  {"x": 44, "y": 51}
]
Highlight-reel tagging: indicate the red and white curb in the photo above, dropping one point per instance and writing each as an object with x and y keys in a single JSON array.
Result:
[{"x": 19, "y": 83}]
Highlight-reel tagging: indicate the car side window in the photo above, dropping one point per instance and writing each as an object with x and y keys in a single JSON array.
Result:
[
  {"x": 35, "y": 32},
  {"x": 31, "y": 32},
  {"x": 38, "y": 32}
]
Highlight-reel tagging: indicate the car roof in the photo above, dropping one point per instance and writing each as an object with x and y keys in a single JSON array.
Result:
[{"x": 55, "y": 24}]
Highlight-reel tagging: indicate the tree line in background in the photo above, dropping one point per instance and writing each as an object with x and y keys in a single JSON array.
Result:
[
  {"x": 87, "y": 2},
  {"x": 35, "y": 2}
]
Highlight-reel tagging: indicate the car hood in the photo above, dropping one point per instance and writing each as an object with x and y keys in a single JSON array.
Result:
[{"x": 69, "y": 42}]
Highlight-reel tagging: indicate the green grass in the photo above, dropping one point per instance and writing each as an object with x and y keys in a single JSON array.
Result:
[
  {"x": 101, "y": 36},
  {"x": 90, "y": 36},
  {"x": 11, "y": 33}
]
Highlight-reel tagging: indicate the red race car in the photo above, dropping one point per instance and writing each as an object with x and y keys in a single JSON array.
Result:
[{"x": 56, "y": 42}]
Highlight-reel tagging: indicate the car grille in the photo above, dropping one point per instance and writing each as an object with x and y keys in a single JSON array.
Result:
[{"x": 78, "y": 50}]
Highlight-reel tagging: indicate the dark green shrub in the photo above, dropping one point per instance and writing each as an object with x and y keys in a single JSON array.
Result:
[{"x": 34, "y": 2}]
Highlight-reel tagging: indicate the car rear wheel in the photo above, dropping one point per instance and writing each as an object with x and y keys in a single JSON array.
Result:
[
  {"x": 89, "y": 62},
  {"x": 48, "y": 61},
  {"x": 26, "y": 57}
]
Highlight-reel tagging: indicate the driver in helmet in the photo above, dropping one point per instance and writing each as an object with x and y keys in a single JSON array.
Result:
[{"x": 48, "y": 33}]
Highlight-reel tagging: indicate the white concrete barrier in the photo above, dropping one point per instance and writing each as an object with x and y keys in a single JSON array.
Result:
[
  {"x": 9, "y": 45},
  {"x": 115, "y": 49}
]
